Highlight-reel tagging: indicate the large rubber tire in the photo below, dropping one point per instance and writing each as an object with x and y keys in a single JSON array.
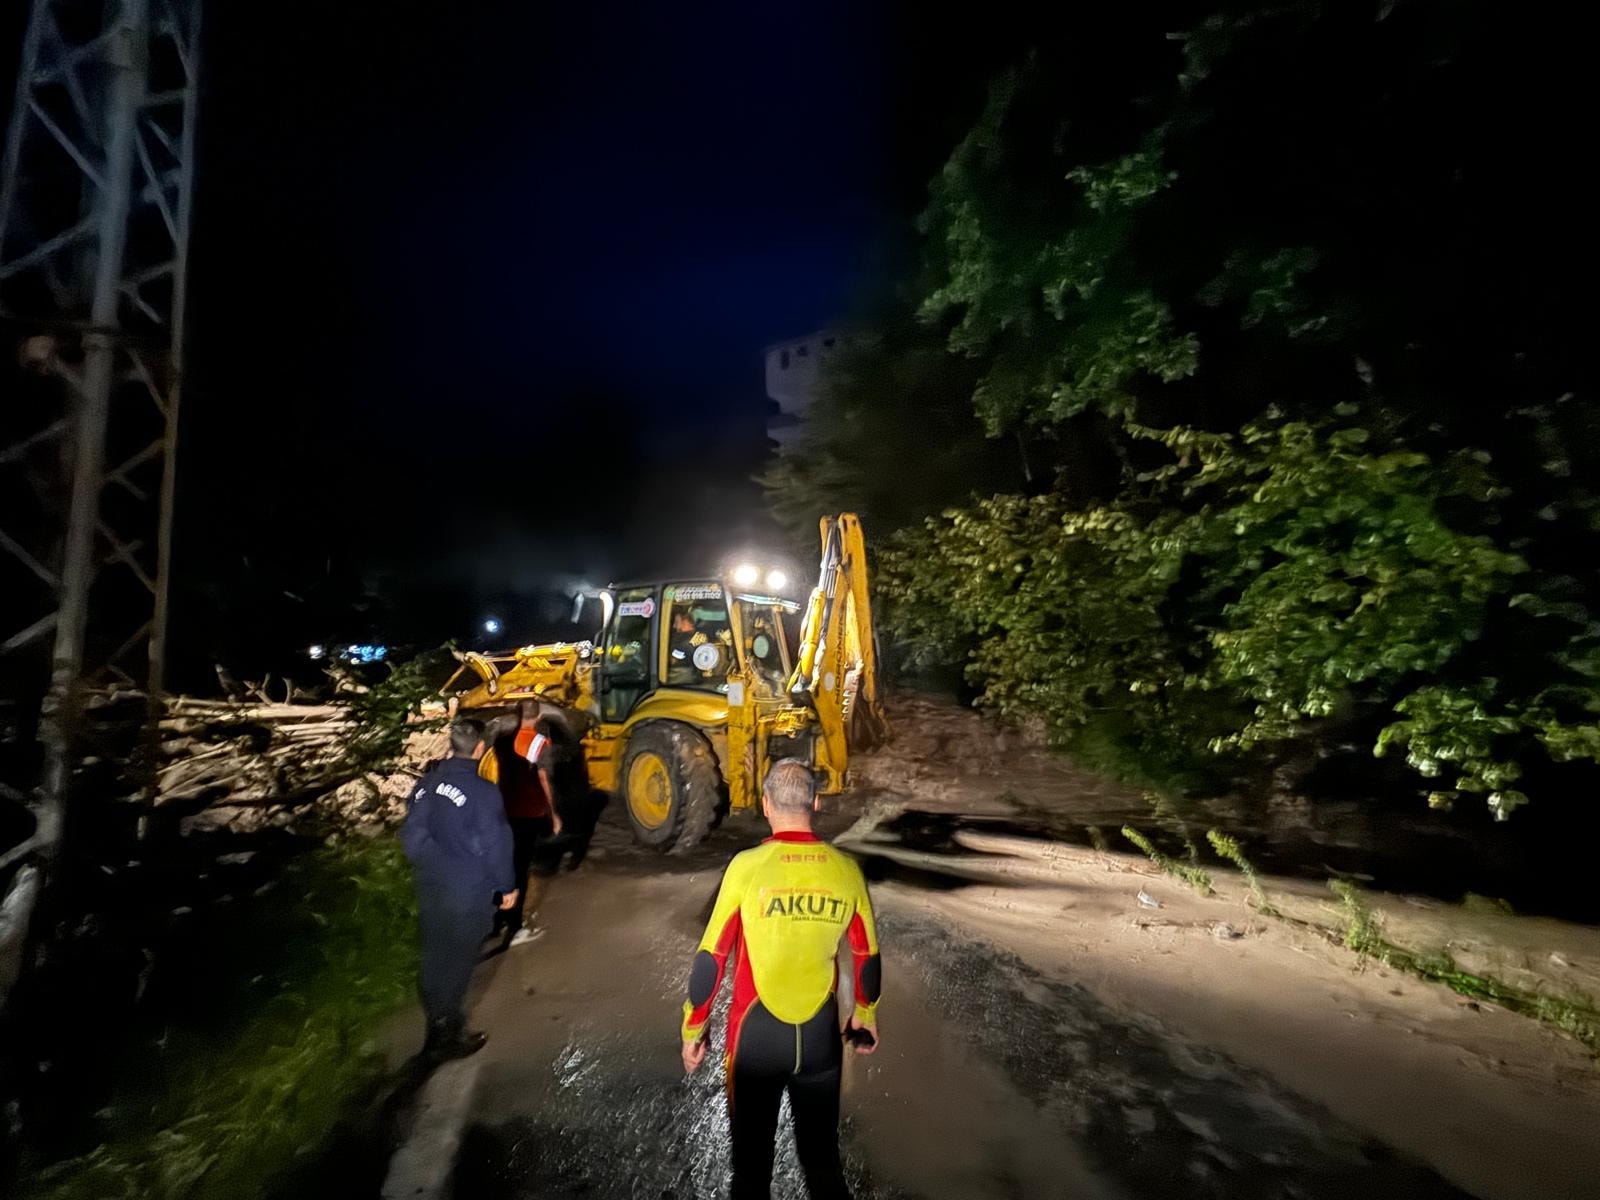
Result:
[{"x": 670, "y": 785}]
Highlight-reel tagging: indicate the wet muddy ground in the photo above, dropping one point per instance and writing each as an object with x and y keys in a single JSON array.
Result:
[
  {"x": 942, "y": 754},
  {"x": 1045, "y": 1033},
  {"x": 993, "y": 1080}
]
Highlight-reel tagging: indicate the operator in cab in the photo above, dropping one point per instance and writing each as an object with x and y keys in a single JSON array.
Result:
[{"x": 684, "y": 639}]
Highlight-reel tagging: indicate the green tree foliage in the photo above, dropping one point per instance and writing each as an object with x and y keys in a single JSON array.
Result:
[
  {"x": 1302, "y": 361},
  {"x": 1281, "y": 575},
  {"x": 385, "y": 713},
  {"x": 1044, "y": 283},
  {"x": 240, "y": 1108}
]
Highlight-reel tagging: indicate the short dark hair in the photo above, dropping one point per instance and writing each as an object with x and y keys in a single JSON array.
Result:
[
  {"x": 498, "y": 727},
  {"x": 465, "y": 734},
  {"x": 790, "y": 786}
]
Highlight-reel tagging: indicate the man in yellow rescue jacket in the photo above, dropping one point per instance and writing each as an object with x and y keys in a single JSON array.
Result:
[{"x": 783, "y": 909}]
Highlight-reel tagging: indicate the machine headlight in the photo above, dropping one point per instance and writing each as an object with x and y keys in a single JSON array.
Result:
[
  {"x": 746, "y": 575},
  {"x": 777, "y": 581}
]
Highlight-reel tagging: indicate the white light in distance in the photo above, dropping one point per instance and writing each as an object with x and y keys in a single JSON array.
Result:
[
  {"x": 746, "y": 574},
  {"x": 777, "y": 581},
  {"x": 316, "y": 652},
  {"x": 491, "y": 626}
]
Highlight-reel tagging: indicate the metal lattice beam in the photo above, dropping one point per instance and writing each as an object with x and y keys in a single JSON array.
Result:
[{"x": 96, "y": 191}]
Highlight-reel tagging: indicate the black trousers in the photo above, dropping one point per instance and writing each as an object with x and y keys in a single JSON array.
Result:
[
  {"x": 452, "y": 931},
  {"x": 773, "y": 1057},
  {"x": 526, "y": 855}
]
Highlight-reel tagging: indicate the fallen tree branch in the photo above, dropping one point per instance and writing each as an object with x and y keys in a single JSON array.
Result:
[{"x": 20, "y": 851}]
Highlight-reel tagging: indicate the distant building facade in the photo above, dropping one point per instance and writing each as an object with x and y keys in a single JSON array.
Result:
[{"x": 794, "y": 370}]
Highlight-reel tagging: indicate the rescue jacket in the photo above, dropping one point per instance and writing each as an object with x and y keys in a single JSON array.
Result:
[
  {"x": 456, "y": 835},
  {"x": 782, "y": 910}
]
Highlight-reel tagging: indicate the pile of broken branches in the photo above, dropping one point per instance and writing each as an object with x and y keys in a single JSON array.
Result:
[
  {"x": 250, "y": 753},
  {"x": 252, "y": 760}
]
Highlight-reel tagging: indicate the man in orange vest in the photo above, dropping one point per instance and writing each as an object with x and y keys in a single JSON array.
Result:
[{"x": 520, "y": 765}]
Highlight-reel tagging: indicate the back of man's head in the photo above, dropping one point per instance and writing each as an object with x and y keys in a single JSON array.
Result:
[
  {"x": 465, "y": 735},
  {"x": 791, "y": 788},
  {"x": 499, "y": 727}
]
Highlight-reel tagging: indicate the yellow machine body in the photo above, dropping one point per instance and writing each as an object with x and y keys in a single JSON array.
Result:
[{"x": 693, "y": 687}]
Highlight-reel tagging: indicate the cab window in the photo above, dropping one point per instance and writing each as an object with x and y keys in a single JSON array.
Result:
[
  {"x": 625, "y": 669},
  {"x": 763, "y": 646},
  {"x": 698, "y": 640}
]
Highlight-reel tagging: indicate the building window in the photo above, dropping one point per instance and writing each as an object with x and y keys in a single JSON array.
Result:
[
  {"x": 783, "y": 361},
  {"x": 802, "y": 350}
]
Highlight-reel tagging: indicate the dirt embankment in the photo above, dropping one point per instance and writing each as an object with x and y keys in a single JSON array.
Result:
[{"x": 977, "y": 829}]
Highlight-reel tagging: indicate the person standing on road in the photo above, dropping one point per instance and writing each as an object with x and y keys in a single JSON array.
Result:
[
  {"x": 518, "y": 762},
  {"x": 459, "y": 844},
  {"x": 782, "y": 910}
]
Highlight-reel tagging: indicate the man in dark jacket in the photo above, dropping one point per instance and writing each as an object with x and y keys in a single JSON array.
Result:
[{"x": 459, "y": 844}]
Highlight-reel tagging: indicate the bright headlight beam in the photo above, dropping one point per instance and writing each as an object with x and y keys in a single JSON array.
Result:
[
  {"x": 777, "y": 580},
  {"x": 746, "y": 574}
]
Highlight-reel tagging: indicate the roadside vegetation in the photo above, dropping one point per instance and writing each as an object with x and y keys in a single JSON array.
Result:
[
  {"x": 1361, "y": 929},
  {"x": 1265, "y": 490},
  {"x": 306, "y": 988},
  {"x": 1576, "y": 1015},
  {"x": 1257, "y": 484},
  {"x": 303, "y": 990}
]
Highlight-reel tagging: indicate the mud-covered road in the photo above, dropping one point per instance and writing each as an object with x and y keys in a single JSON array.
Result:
[
  {"x": 993, "y": 1080},
  {"x": 1046, "y": 1032}
]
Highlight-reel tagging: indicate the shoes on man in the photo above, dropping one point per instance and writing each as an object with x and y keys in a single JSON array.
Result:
[{"x": 447, "y": 1040}]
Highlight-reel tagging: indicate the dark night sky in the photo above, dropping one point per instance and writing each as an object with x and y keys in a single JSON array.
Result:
[
  {"x": 478, "y": 298},
  {"x": 484, "y": 295}
]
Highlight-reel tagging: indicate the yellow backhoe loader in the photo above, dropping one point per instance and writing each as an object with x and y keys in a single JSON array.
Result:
[{"x": 692, "y": 690}]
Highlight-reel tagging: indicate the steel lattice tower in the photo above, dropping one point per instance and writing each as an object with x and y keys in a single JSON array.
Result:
[{"x": 95, "y": 202}]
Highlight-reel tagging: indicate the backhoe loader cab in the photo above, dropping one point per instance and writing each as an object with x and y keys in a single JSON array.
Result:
[
  {"x": 693, "y": 635},
  {"x": 692, "y": 690}
]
